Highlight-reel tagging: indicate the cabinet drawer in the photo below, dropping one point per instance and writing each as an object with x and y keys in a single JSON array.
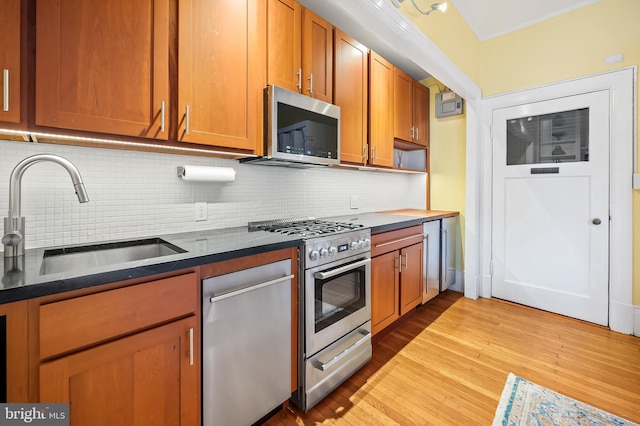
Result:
[
  {"x": 75, "y": 323},
  {"x": 395, "y": 240}
]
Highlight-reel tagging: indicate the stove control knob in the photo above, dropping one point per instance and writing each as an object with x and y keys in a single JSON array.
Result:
[
  {"x": 354, "y": 245},
  {"x": 367, "y": 241},
  {"x": 324, "y": 253},
  {"x": 333, "y": 250},
  {"x": 361, "y": 244},
  {"x": 314, "y": 255}
]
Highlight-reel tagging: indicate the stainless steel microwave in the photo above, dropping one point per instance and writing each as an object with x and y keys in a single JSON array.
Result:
[{"x": 299, "y": 130}]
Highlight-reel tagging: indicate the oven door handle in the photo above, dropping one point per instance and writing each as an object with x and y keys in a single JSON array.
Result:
[
  {"x": 340, "y": 270},
  {"x": 324, "y": 366},
  {"x": 251, "y": 288}
]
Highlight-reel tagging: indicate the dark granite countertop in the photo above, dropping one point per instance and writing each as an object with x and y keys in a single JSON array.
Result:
[{"x": 23, "y": 280}]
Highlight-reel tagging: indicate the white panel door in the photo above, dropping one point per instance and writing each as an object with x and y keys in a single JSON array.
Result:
[{"x": 550, "y": 222}]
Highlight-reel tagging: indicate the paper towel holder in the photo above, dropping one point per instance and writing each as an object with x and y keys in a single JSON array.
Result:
[{"x": 207, "y": 173}]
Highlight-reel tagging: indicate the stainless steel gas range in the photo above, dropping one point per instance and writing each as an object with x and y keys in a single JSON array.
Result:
[{"x": 334, "y": 303}]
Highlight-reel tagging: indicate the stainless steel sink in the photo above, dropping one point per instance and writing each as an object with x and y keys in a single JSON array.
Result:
[{"x": 85, "y": 257}]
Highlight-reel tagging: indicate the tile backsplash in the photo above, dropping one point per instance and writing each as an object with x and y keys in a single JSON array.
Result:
[{"x": 137, "y": 194}]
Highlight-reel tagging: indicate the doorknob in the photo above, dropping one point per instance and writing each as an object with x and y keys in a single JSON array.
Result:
[{"x": 596, "y": 221}]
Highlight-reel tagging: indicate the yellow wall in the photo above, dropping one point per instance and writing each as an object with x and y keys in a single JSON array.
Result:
[
  {"x": 568, "y": 46},
  {"x": 447, "y": 146}
]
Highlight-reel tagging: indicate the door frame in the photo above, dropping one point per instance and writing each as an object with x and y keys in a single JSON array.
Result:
[{"x": 621, "y": 85}]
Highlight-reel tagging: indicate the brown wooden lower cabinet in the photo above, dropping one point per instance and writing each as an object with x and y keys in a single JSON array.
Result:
[
  {"x": 146, "y": 378},
  {"x": 125, "y": 353},
  {"x": 396, "y": 275},
  {"x": 410, "y": 277},
  {"x": 385, "y": 295}
]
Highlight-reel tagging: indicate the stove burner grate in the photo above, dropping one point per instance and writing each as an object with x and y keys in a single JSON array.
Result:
[{"x": 305, "y": 227}]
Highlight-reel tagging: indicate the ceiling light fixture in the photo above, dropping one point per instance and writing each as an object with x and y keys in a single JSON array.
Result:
[{"x": 442, "y": 7}]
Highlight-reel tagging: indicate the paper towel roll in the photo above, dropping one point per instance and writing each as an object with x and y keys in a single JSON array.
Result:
[{"x": 207, "y": 174}]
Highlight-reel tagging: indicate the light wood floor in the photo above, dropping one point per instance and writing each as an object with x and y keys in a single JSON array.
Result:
[{"x": 448, "y": 364}]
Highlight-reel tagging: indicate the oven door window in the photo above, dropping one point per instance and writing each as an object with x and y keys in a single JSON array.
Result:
[{"x": 338, "y": 297}]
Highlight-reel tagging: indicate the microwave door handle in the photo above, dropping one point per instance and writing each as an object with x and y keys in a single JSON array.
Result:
[{"x": 340, "y": 270}]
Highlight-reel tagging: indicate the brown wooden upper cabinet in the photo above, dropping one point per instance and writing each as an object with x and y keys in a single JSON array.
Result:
[
  {"x": 351, "y": 92},
  {"x": 10, "y": 61},
  {"x": 380, "y": 111},
  {"x": 221, "y": 75},
  {"x": 103, "y": 66},
  {"x": 110, "y": 67},
  {"x": 300, "y": 50},
  {"x": 411, "y": 109}
]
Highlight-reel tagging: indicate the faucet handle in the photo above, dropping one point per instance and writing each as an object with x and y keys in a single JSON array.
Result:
[{"x": 12, "y": 238}]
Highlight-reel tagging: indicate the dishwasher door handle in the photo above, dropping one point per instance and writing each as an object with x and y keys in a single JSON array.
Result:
[{"x": 251, "y": 288}]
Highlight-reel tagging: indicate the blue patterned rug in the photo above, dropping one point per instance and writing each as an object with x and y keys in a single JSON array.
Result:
[{"x": 525, "y": 403}]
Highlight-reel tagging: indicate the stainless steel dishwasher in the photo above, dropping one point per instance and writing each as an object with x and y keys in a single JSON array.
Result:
[{"x": 246, "y": 344}]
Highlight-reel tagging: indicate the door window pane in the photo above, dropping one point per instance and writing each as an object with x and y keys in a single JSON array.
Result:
[{"x": 560, "y": 137}]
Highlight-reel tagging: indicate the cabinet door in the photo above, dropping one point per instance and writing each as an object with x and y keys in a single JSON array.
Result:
[
  {"x": 317, "y": 57},
  {"x": 10, "y": 61},
  {"x": 420, "y": 114},
  {"x": 284, "y": 35},
  {"x": 402, "y": 105},
  {"x": 221, "y": 72},
  {"x": 146, "y": 378},
  {"x": 103, "y": 66},
  {"x": 351, "y": 76},
  {"x": 385, "y": 288},
  {"x": 380, "y": 111},
  {"x": 411, "y": 284},
  {"x": 14, "y": 349}
]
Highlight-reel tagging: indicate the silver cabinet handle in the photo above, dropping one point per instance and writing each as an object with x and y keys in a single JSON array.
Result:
[
  {"x": 417, "y": 137},
  {"x": 250, "y": 288},
  {"x": 324, "y": 366},
  {"x": 299, "y": 73},
  {"x": 399, "y": 259},
  {"x": 186, "y": 120},
  {"x": 445, "y": 254},
  {"x": 162, "y": 117},
  {"x": 398, "y": 240},
  {"x": 373, "y": 152},
  {"x": 413, "y": 132},
  {"x": 406, "y": 260},
  {"x": 5, "y": 90},
  {"x": 425, "y": 255},
  {"x": 338, "y": 271},
  {"x": 191, "y": 346},
  {"x": 310, "y": 83}
]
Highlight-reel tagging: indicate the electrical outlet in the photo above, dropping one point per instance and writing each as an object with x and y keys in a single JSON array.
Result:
[
  {"x": 201, "y": 246},
  {"x": 201, "y": 212},
  {"x": 354, "y": 201}
]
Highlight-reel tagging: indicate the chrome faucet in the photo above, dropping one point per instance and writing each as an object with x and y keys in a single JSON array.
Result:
[{"x": 13, "y": 239}]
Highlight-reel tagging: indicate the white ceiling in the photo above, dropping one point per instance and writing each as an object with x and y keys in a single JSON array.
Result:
[
  {"x": 491, "y": 18},
  {"x": 487, "y": 18}
]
